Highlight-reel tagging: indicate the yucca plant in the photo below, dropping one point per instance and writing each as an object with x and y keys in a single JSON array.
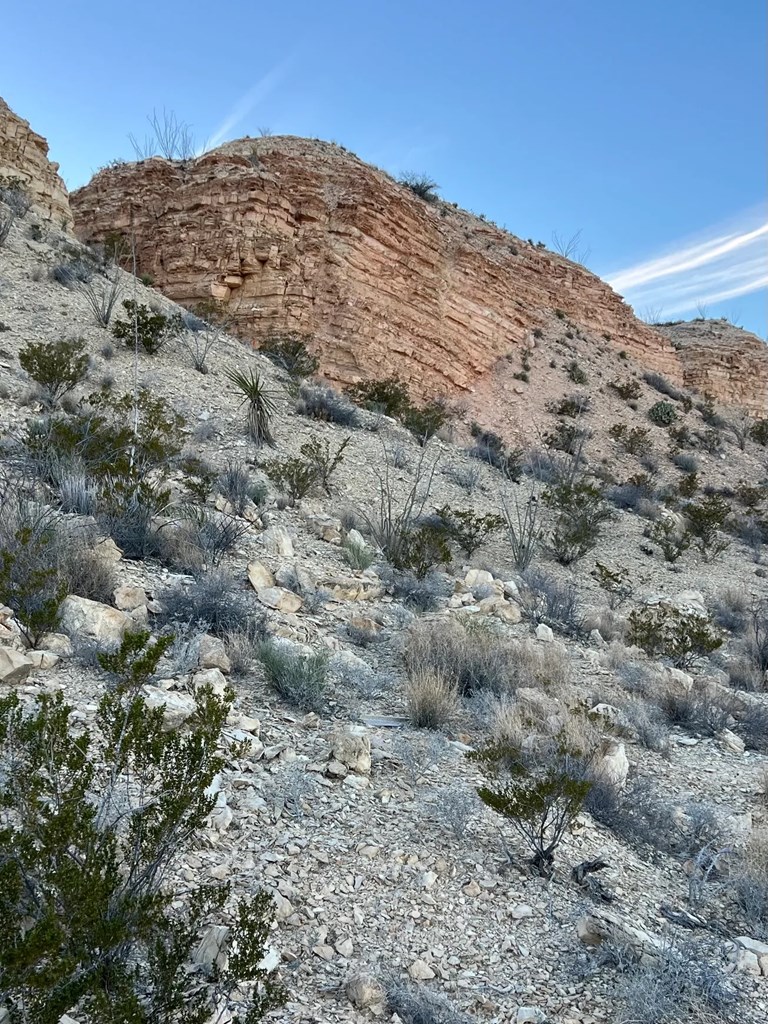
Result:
[{"x": 260, "y": 402}]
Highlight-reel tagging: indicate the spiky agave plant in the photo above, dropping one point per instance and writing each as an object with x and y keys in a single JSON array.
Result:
[{"x": 260, "y": 402}]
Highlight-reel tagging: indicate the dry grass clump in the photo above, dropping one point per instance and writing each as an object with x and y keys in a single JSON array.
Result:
[
  {"x": 477, "y": 657},
  {"x": 751, "y": 884},
  {"x": 431, "y": 699},
  {"x": 611, "y": 626}
]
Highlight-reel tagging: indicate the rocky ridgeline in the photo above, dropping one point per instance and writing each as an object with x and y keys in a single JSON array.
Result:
[
  {"x": 300, "y": 235},
  {"x": 24, "y": 155}
]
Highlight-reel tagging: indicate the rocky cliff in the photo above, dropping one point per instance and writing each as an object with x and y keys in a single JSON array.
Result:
[
  {"x": 300, "y": 235},
  {"x": 24, "y": 155}
]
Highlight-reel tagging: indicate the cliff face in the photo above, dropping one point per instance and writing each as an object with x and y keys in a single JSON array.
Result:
[
  {"x": 24, "y": 155},
  {"x": 299, "y": 235}
]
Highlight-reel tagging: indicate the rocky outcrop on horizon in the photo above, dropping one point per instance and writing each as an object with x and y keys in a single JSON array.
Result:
[{"x": 24, "y": 155}]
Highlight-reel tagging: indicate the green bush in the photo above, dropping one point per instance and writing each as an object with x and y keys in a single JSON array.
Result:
[
  {"x": 297, "y": 476},
  {"x": 576, "y": 374},
  {"x": 662, "y": 413},
  {"x": 325, "y": 462},
  {"x": 468, "y": 529},
  {"x": 571, "y": 405},
  {"x": 581, "y": 511},
  {"x": 634, "y": 440},
  {"x": 705, "y": 521},
  {"x": 97, "y": 823},
  {"x": 490, "y": 448},
  {"x": 540, "y": 801},
  {"x": 291, "y": 354},
  {"x": 57, "y": 366},
  {"x": 673, "y": 541},
  {"x": 31, "y": 581},
  {"x": 151, "y": 328},
  {"x": 421, "y": 185},
  {"x": 667, "y": 632},
  {"x": 389, "y": 396},
  {"x": 628, "y": 389},
  {"x": 688, "y": 485},
  {"x": 759, "y": 432},
  {"x": 426, "y": 420}
]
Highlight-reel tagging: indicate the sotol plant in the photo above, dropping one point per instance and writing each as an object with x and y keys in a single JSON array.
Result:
[{"x": 260, "y": 404}]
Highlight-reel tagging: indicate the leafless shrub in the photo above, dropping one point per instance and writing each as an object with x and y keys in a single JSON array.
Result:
[
  {"x": 751, "y": 884},
  {"x": 730, "y": 610},
  {"x": 419, "y": 753},
  {"x": 102, "y": 295},
  {"x": 523, "y": 519},
  {"x": 169, "y": 138},
  {"x": 454, "y": 807},
  {"x": 545, "y": 599},
  {"x": 466, "y": 477},
  {"x": 415, "y": 1004}
]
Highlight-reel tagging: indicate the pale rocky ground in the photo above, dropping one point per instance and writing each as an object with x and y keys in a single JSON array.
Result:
[{"x": 365, "y": 879}]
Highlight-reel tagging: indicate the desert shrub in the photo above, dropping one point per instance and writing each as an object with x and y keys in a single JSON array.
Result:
[
  {"x": 539, "y": 800},
  {"x": 567, "y": 437},
  {"x": 214, "y": 599},
  {"x": 757, "y": 634},
  {"x": 259, "y": 402},
  {"x": 388, "y": 396},
  {"x": 684, "y": 462},
  {"x": 710, "y": 441},
  {"x": 99, "y": 820},
  {"x": 466, "y": 477},
  {"x": 580, "y": 512},
  {"x": 57, "y": 366},
  {"x": 291, "y": 354},
  {"x": 615, "y": 583},
  {"x": 468, "y": 529},
  {"x": 454, "y": 807},
  {"x": 523, "y": 527},
  {"x": 752, "y": 725},
  {"x": 69, "y": 274},
  {"x": 470, "y": 657},
  {"x": 688, "y": 485},
  {"x": 297, "y": 476},
  {"x": 78, "y": 493},
  {"x": 237, "y": 485},
  {"x": 323, "y": 403},
  {"x": 358, "y": 555},
  {"x": 31, "y": 581},
  {"x": 672, "y": 540},
  {"x": 705, "y": 521},
  {"x": 545, "y": 599},
  {"x": 666, "y": 632},
  {"x": 695, "y": 710},
  {"x": 750, "y": 884},
  {"x": 128, "y": 516},
  {"x": 759, "y": 431},
  {"x": 710, "y": 414},
  {"x": 148, "y": 327},
  {"x": 421, "y": 593},
  {"x": 680, "y": 437},
  {"x": 662, "y": 414},
  {"x": 490, "y": 448},
  {"x": 199, "y": 340},
  {"x": 688, "y": 980},
  {"x": 242, "y": 644},
  {"x": 628, "y": 389},
  {"x": 637, "y": 494},
  {"x": 751, "y": 496},
  {"x": 421, "y": 185},
  {"x": 634, "y": 440},
  {"x": 431, "y": 700},
  {"x": 663, "y": 386},
  {"x": 730, "y": 611},
  {"x": 576, "y": 374},
  {"x": 298, "y": 678},
  {"x": 215, "y": 533},
  {"x": 416, "y": 1004},
  {"x": 573, "y": 405},
  {"x": 647, "y": 723},
  {"x": 84, "y": 571},
  {"x": 425, "y": 421}
]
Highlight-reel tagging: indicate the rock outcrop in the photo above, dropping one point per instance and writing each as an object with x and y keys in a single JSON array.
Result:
[
  {"x": 298, "y": 235},
  {"x": 24, "y": 156}
]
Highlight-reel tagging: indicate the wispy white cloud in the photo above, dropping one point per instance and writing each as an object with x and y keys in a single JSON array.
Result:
[
  {"x": 247, "y": 102},
  {"x": 724, "y": 262}
]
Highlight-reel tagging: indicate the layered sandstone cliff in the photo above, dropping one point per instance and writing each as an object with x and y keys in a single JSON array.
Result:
[
  {"x": 300, "y": 235},
  {"x": 24, "y": 156}
]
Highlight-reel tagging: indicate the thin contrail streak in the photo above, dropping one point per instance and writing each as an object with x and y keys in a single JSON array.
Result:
[{"x": 258, "y": 92}]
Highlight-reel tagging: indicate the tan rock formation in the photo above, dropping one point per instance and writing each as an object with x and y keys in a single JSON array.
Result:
[
  {"x": 300, "y": 235},
  {"x": 24, "y": 155}
]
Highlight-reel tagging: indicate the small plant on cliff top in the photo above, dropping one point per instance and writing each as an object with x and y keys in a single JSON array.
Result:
[
  {"x": 96, "y": 822},
  {"x": 421, "y": 185},
  {"x": 57, "y": 366}
]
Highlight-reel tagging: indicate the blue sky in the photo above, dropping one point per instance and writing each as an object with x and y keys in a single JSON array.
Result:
[{"x": 641, "y": 124}]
